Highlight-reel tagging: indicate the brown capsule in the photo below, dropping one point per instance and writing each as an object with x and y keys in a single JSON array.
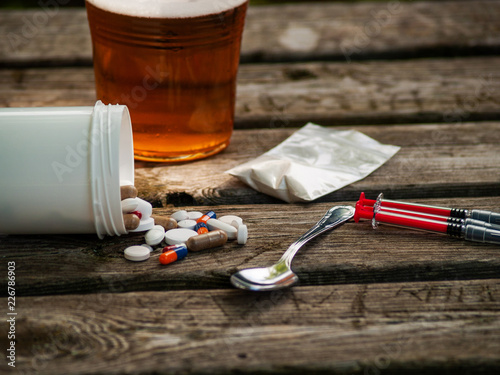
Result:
[
  {"x": 131, "y": 221},
  {"x": 207, "y": 240},
  {"x": 128, "y": 191},
  {"x": 166, "y": 222}
]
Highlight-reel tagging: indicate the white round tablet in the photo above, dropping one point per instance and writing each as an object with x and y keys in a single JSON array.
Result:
[
  {"x": 188, "y": 224},
  {"x": 137, "y": 253},
  {"x": 180, "y": 215},
  {"x": 230, "y": 218},
  {"x": 194, "y": 215},
  {"x": 159, "y": 227},
  {"x": 144, "y": 225},
  {"x": 179, "y": 235},
  {"x": 154, "y": 236},
  {"x": 242, "y": 234},
  {"x": 150, "y": 248}
]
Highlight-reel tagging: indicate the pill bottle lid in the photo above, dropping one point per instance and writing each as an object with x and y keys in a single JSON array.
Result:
[{"x": 111, "y": 160}]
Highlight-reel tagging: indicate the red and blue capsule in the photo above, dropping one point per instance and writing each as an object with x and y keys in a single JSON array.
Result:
[
  {"x": 173, "y": 253},
  {"x": 209, "y": 215},
  {"x": 201, "y": 228}
]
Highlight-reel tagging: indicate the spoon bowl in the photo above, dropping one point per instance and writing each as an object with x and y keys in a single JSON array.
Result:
[{"x": 280, "y": 275}]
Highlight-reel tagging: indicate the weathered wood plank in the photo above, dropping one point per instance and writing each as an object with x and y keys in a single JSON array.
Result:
[
  {"x": 425, "y": 327},
  {"x": 435, "y": 161},
  {"x": 354, "y": 253},
  {"x": 430, "y": 90},
  {"x": 343, "y": 31},
  {"x": 284, "y": 95},
  {"x": 444, "y": 157}
]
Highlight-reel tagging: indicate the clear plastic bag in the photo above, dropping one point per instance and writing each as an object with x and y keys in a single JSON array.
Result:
[{"x": 313, "y": 162}]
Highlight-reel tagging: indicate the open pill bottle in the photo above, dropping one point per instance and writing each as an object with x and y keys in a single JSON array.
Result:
[{"x": 60, "y": 169}]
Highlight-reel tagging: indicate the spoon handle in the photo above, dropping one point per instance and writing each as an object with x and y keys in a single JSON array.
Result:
[{"x": 333, "y": 218}]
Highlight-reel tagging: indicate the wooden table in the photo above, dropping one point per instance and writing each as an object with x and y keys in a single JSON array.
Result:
[{"x": 421, "y": 75}]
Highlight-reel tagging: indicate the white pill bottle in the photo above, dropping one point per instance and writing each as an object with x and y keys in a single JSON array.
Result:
[{"x": 60, "y": 169}]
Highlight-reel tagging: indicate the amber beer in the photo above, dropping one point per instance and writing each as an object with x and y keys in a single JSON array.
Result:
[{"x": 174, "y": 64}]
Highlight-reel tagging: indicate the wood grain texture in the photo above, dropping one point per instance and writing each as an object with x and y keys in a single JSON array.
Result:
[
  {"x": 423, "y": 327},
  {"x": 285, "y": 95},
  {"x": 343, "y": 31},
  {"x": 442, "y": 160},
  {"x": 354, "y": 253},
  {"x": 390, "y": 301}
]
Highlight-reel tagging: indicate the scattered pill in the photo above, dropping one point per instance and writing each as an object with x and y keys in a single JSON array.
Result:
[
  {"x": 194, "y": 215},
  {"x": 180, "y": 215},
  {"x": 209, "y": 215},
  {"x": 150, "y": 248},
  {"x": 214, "y": 224},
  {"x": 154, "y": 236},
  {"x": 128, "y": 191},
  {"x": 131, "y": 221},
  {"x": 178, "y": 235},
  {"x": 173, "y": 253},
  {"x": 228, "y": 219},
  {"x": 145, "y": 208},
  {"x": 173, "y": 247},
  {"x": 242, "y": 234},
  {"x": 182, "y": 231},
  {"x": 129, "y": 205},
  {"x": 207, "y": 240},
  {"x": 201, "y": 228},
  {"x": 137, "y": 213},
  {"x": 144, "y": 225},
  {"x": 166, "y": 222},
  {"x": 189, "y": 224},
  {"x": 137, "y": 253}
]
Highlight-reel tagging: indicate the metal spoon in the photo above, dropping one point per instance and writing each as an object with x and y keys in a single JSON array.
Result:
[{"x": 281, "y": 275}]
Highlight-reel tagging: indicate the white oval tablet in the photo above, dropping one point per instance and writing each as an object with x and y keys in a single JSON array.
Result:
[
  {"x": 242, "y": 234},
  {"x": 129, "y": 205},
  {"x": 154, "y": 236},
  {"x": 228, "y": 219},
  {"x": 137, "y": 253},
  {"x": 145, "y": 208},
  {"x": 194, "y": 215},
  {"x": 144, "y": 225},
  {"x": 180, "y": 215},
  {"x": 214, "y": 224},
  {"x": 188, "y": 224},
  {"x": 179, "y": 235}
]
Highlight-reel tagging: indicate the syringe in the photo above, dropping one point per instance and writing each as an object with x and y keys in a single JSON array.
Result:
[
  {"x": 446, "y": 219},
  {"x": 482, "y": 215},
  {"x": 453, "y": 228}
]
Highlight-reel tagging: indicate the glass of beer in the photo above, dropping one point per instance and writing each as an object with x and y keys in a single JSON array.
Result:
[{"x": 174, "y": 64}]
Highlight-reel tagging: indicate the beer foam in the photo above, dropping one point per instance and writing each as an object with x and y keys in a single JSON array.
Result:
[{"x": 166, "y": 8}]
